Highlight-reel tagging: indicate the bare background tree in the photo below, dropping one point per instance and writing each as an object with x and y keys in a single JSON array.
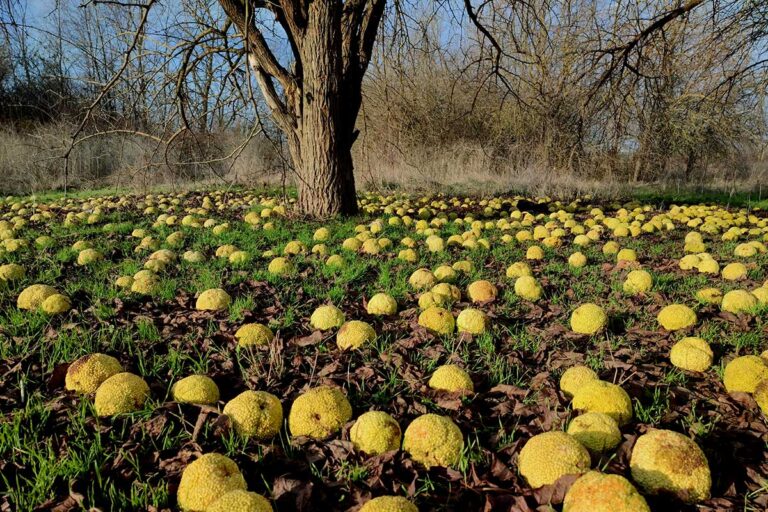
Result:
[{"x": 555, "y": 96}]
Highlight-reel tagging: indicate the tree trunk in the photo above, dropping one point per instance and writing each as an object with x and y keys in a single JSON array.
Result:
[{"x": 321, "y": 152}]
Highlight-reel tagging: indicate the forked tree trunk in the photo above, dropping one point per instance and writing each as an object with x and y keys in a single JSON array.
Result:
[{"x": 316, "y": 102}]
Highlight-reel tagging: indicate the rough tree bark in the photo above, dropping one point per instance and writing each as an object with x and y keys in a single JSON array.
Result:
[{"x": 317, "y": 101}]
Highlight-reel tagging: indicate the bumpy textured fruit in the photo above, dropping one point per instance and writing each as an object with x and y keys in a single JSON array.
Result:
[
  {"x": 676, "y": 316},
  {"x": 196, "y": 389},
  {"x": 214, "y": 299},
  {"x": 598, "y": 432},
  {"x": 472, "y": 321},
  {"x": 326, "y": 317},
  {"x": 693, "y": 354},
  {"x": 389, "y": 504},
  {"x": 206, "y": 480},
  {"x": 11, "y": 272},
  {"x": 32, "y": 297},
  {"x": 667, "y": 462},
  {"x": 709, "y": 296},
  {"x": 744, "y": 374},
  {"x": 354, "y": 334},
  {"x": 574, "y": 379},
  {"x": 280, "y": 266},
  {"x": 601, "y": 396},
  {"x": 528, "y": 288},
  {"x": 481, "y": 291},
  {"x": 638, "y": 281},
  {"x": 588, "y": 319},
  {"x": 761, "y": 396},
  {"x": 254, "y": 335},
  {"x": 86, "y": 374},
  {"x": 56, "y": 304},
  {"x": 734, "y": 272},
  {"x": 255, "y": 414},
  {"x": 375, "y": 432},
  {"x": 422, "y": 279},
  {"x": 122, "y": 392},
  {"x": 548, "y": 456},
  {"x": 450, "y": 377},
  {"x": 437, "y": 320},
  {"x": 319, "y": 413},
  {"x": 240, "y": 501},
  {"x": 382, "y": 304},
  {"x": 88, "y": 256},
  {"x": 737, "y": 301},
  {"x": 597, "y": 492},
  {"x": 433, "y": 440},
  {"x": 518, "y": 269},
  {"x": 577, "y": 260}
]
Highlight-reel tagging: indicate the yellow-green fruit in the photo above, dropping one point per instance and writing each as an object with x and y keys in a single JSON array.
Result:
[
  {"x": 445, "y": 274},
  {"x": 255, "y": 414},
  {"x": 375, "y": 432},
  {"x": 709, "y": 296},
  {"x": 737, "y": 301},
  {"x": 254, "y": 335},
  {"x": 598, "y": 432},
  {"x": 321, "y": 235},
  {"x": 382, "y": 304},
  {"x": 88, "y": 256},
  {"x": 450, "y": 377},
  {"x": 761, "y": 396},
  {"x": 122, "y": 392},
  {"x": 481, "y": 291},
  {"x": 577, "y": 260},
  {"x": 86, "y": 374},
  {"x": 280, "y": 266},
  {"x": 326, "y": 317},
  {"x": 355, "y": 334},
  {"x": 667, "y": 462},
  {"x": 676, "y": 316},
  {"x": 437, "y": 320},
  {"x": 548, "y": 456},
  {"x": 240, "y": 500},
  {"x": 472, "y": 321},
  {"x": 11, "y": 272},
  {"x": 528, "y": 288},
  {"x": 601, "y": 396},
  {"x": 744, "y": 374},
  {"x": 588, "y": 319},
  {"x": 433, "y": 440},
  {"x": 214, "y": 299},
  {"x": 319, "y": 413},
  {"x": 196, "y": 389},
  {"x": 734, "y": 272},
  {"x": 761, "y": 294},
  {"x": 597, "y": 492},
  {"x": 693, "y": 354},
  {"x": 389, "y": 504},
  {"x": 518, "y": 269},
  {"x": 56, "y": 304},
  {"x": 429, "y": 299},
  {"x": 638, "y": 281},
  {"x": 206, "y": 480},
  {"x": 193, "y": 256},
  {"x": 239, "y": 257},
  {"x": 32, "y": 297},
  {"x": 335, "y": 261},
  {"x": 145, "y": 286},
  {"x": 124, "y": 282},
  {"x": 574, "y": 378},
  {"x": 422, "y": 279}
]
